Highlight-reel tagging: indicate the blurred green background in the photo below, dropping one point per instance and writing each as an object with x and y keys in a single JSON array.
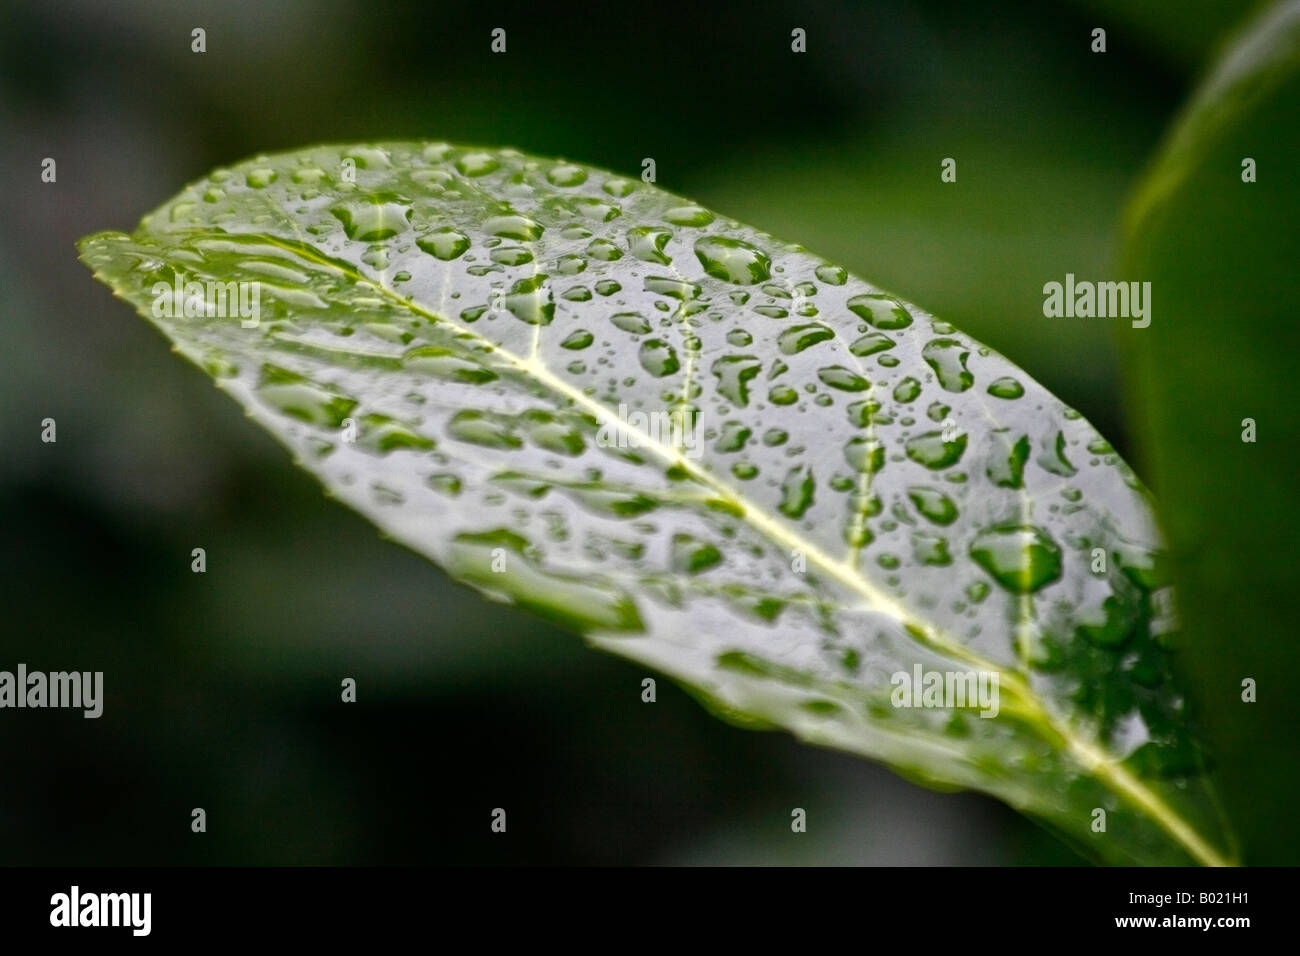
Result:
[{"x": 223, "y": 688}]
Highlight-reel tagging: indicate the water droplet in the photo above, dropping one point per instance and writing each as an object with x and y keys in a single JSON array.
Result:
[
  {"x": 511, "y": 256},
  {"x": 514, "y": 227},
  {"x": 690, "y": 555},
  {"x": 630, "y": 322},
  {"x": 673, "y": 288},
  {"x": 647, "y": 243},
  {"x": 580, "y": 339},
  {"x": 799, "y": 337},
  {"x": 371, "y": 221},
  {"x": 837, "y": 376},
  {"x": 261, "y": 177},
  {"x": 1022, "y": 558},
  {"x": 604, "y": 250},
  {"x": 295, "y": 396},
  {"x": 732, "y": 260},
  {"x": 444, "y": 363},
  {"x": 658, "y": 358},
  {"x": 445, "y": 484},
  {"x": 865, "y": 455},
  {"x": 832, "y": 275},
  {"x": 477, "y": 164},
  {"x": 881, "y": 311},
  {"x": 566, "y": 174},
  {"x": 1006, "y": 387},
  {"x": 530, "y": 300},
  {"x": 947, "y": 357},
  {"x": 586, "y": 603},
  {"x": 1007, "y": 471},
  {"x": 688, "y": 216},
  {"x": 783, "y": 395},
  {"x": 797, "y": 491},
  {"x": 870, "y": 344},
  {"x": 933, "y": 452},
  {"x": 907, "y": 390},
  {"x": 480, "y": 428},
  {"x": 733, "y": 437},
  {"x": 444, "y": 244},
  {"x": 570, "y": 265},
  {"x": 930, "y": 549},
  {"x": 933, "y": 504},
  {"x": 618, "y": 186},
  {"x": 1053, "y": 458},
  {"x": 608, "y": 287},
  {"x": 733, "y": 373}
]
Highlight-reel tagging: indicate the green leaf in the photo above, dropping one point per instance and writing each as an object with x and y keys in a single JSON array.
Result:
[
  {"x": 1222, "y": 258},
  {"x": 708, "y": 451}
]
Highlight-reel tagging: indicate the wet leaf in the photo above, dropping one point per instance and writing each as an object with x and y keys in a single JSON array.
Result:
[{"x": 707, "y": 450}]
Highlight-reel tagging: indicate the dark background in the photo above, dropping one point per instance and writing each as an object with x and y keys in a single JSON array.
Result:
[{"x": 223, "y": 688}]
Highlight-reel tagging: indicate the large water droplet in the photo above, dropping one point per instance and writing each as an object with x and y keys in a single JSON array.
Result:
[
  {"x": 799, "y": 337},
  {"x": 732, "y": 260},
  {"x": 530, "y": 300},
  {"x": 932, "y": 503},
  {"x": 514, "y": 227},
  {"x": 444, "y": 244},
  {"x": 947, "y": 357},
  {"x": 797, "y": 491},
  {"x": 647, "y": 243},
  {"x": 1022, "y": 558},
  {"x": 658, "y": 358},
  {"x": 880, "y": 310},
  {"x": 371, "y": 221},
  {"x": 933, "y": 452}
]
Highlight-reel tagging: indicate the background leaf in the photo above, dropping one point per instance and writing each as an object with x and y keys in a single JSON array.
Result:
[
  {"x": 1222, "y": 256},
  {"x": 873, "y": 493}
]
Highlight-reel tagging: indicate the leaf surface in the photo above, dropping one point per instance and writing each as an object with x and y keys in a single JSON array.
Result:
[{"x": 708, "y": 451}]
